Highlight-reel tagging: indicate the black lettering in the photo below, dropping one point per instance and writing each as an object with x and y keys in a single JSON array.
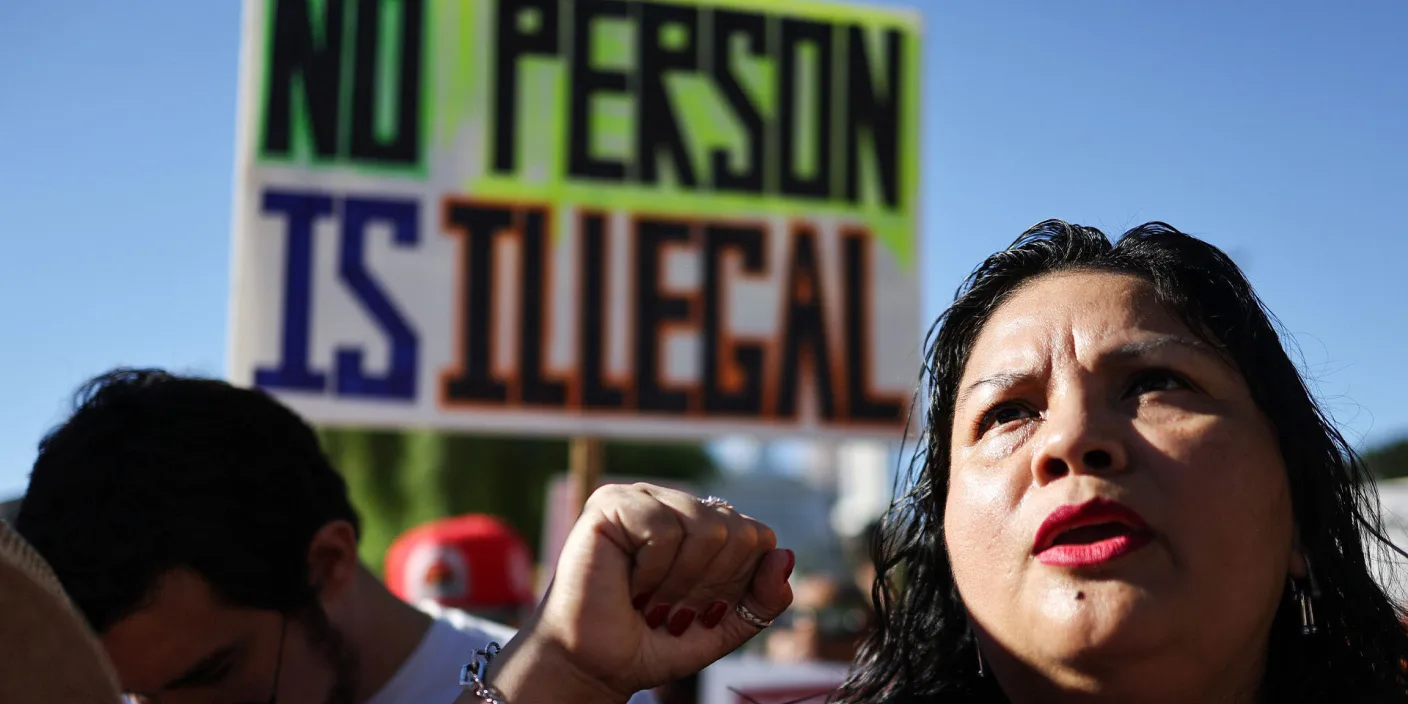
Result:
[
  {"x": 728, "y": 25},
  {"x": 878, "y": 114},
  {"x": 517, "y": 37},
  {"x": 480, "y": 226},
  {"x": 652, "y": 309},
  {"x": 794, "y": 35},
  {"x": 531, "y": 348},
  {"x": 404, "y": 145},
  {"x": 591, "y": 336},
  {"x": 656, "y": 123},
  {"x": 745, "y": 397},
  {"x": 805, "y": 330},
  {"x": 316, "y": 65},
  {"x": 859, "y": 403},
  {"x": 588, "y": 81}
]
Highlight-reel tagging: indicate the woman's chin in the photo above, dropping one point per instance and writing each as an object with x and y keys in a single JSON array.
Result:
[{"x": 1099, "y": 619}]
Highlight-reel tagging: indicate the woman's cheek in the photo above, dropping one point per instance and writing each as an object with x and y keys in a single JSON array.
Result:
[
  {"x": 980, "y": 503},
  {"x": 1199, "y": 444}
]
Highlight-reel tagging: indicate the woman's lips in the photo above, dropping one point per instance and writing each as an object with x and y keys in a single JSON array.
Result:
[{"x": 1095, "y": 532}]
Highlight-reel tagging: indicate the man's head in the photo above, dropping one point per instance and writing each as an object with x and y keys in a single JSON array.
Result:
[{"x": 202, "y": 532}]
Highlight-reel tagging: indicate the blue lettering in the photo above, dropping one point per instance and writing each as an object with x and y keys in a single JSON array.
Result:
[
  {"x": 293, "y": 371},
  {"x": 399, "y": 381}
]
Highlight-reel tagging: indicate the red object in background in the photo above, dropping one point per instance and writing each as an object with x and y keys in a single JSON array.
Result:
[{"x": 470, "y": 562}]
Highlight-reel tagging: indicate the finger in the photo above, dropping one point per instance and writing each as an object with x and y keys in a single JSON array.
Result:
[
  {"x": 732, "y": 570},
  {"x": 733, "y": 567},
  {"x": 726, "y": 579},
  {"x": 685, "y": 500},
  {"x": 647, "y": 530},
  {"x": 708, "y": 532},
  {"x": 768, "y": 596},
  {"x": 673, "y": 497}
]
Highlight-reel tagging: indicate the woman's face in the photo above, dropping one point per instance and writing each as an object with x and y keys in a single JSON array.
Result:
[{"x": 1118, "y": 516}]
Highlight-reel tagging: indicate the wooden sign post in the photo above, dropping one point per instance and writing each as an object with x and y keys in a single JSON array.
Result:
[{"x": 588, "y": 455}]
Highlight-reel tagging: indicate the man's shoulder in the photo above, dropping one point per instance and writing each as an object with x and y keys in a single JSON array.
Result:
[{"x": 478, "y": 632}]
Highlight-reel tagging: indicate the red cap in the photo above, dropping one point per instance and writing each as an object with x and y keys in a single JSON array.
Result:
[{"x": 466, "y": 562}]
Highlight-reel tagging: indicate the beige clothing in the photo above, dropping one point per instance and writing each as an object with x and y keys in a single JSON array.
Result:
[{"x": 50, "y": 655}]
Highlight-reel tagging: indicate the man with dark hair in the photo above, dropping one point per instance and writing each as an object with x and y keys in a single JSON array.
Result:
[{"x": 203, "y": 534}]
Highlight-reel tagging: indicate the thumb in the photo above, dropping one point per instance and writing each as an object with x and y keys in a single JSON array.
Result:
[{"x": 768, "y": 595}]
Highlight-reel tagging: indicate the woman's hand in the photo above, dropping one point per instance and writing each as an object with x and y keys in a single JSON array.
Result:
[{"x": 646, "y": 591}]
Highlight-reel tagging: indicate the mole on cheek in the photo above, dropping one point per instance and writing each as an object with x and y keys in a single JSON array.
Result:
[{"x": 1080, "y": 596}]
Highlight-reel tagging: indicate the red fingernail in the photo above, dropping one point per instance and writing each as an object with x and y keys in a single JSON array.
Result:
[
  {"x": 679, "y": 623},
  {"x": 714, "y": 614},
  {"x": 639, "y": 602},
  {"x": 657, "y": 616},
  {"x": 791, "y": 563}
]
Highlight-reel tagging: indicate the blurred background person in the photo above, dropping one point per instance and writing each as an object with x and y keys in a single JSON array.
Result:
[
  {"x": 826, "y": 623},
  {"x": 830, "y": 616}
]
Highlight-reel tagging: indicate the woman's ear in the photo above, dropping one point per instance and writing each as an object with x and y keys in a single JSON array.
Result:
[{"x": 332, "y": 560}]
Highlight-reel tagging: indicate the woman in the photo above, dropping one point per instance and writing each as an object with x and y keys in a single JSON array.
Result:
[{"x": 1125, "y": 493}]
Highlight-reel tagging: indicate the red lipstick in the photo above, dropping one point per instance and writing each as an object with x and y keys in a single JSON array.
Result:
[{"x": 1092, "y": 533}]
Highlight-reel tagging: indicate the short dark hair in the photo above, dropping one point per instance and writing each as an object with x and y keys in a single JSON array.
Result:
[
  {"x": 922, "y": 649},
  {"x": 155, "y": 472}
]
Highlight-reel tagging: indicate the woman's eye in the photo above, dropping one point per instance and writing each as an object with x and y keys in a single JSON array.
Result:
[
  {"x": 1157, "y": 380},
  {"x": 1003, "y": 414}
]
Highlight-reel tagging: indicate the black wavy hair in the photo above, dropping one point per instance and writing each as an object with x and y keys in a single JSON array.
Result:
[
  {"x": 922, "y": 650},
  {"x": 155, "y": 472}
]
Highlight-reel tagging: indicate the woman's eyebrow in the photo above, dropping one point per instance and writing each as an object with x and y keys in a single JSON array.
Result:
[
  {"x": 1146, "y": 346},
  {"x": 1001, "y": 380},
  {"x": 1132, "y": 350}
]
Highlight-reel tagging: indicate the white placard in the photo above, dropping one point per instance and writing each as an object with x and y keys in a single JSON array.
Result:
[{"x": 673, "y": 218}]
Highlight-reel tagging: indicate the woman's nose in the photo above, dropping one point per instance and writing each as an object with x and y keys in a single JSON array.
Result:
[{"x": 1078, "y": 441}]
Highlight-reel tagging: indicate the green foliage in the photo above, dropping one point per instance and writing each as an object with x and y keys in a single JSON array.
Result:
[
  {"x": 401, "y": 479},
  {"x": 1388, "y": 461}
]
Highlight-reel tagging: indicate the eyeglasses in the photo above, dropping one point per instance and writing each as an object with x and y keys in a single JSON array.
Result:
[{"x": 278, "y": 669}]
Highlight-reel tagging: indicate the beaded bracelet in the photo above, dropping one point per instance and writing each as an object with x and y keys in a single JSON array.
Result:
[{"x": 472, "y": 676}]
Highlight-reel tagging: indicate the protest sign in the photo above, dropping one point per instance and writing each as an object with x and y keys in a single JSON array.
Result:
[{"x": 579, "y": 217}]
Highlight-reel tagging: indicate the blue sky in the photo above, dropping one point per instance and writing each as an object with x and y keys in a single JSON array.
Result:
[{"x": 1277, "y": 130}]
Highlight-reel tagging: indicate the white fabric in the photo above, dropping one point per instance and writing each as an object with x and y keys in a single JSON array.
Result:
[{"x": 431, "y": 675}]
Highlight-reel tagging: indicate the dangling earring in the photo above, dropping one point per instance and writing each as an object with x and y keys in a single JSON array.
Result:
[
  {"x": 977, "y": 649},
  {"x": 1307, "y": 613},
  {"x": 1305, "y": 599}
]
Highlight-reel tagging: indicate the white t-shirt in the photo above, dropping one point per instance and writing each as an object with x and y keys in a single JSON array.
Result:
[{"x": 432, "y": 674}]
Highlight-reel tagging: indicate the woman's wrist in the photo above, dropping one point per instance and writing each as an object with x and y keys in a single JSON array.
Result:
[{"x": 530, "y": 670}]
